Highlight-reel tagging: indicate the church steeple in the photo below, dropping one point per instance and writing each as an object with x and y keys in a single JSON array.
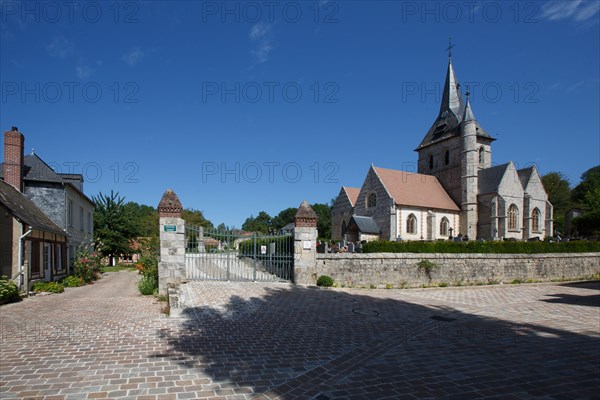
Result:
[
  {"x": 452, "y": 100},
  {"x": 468, "y": 115}
]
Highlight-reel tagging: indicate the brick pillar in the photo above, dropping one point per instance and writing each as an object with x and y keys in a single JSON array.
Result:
[
  {"x": 14, "y": 143},
  {"x": 171, "y": 268},
  {"x": 305, "y": 245}
]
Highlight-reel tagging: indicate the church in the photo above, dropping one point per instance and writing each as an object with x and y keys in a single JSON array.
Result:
[{"x": 456, "y": 192}]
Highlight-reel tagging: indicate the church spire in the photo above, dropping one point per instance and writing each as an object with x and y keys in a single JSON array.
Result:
[
  {"x": 452, "y": 100},
  {"x": 468, "y": 115}
]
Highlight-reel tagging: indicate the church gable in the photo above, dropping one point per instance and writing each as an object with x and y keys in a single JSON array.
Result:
[
  {"x": 510, "y": 184},
  {"x": 342, "y": 211},
  {"x": 532, "y": 183}
]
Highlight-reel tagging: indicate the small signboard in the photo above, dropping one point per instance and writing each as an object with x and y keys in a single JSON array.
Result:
[
  {"x": 170, "y": 228},
  {"x": 263, "y": 249},
  {"x": 307, "y": 245}
]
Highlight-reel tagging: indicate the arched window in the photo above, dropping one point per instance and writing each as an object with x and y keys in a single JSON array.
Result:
[
  {"x": 411, "y": 224},
  {"x": 535, "y": 219},
  {"x": 344, "y": 227},
  {"x": 513, "y": 217},
  {"x": 447, "y": 157},
  {"x": 444, "y": 225},
  {"x": 430, "y": 162},
  {"x": 371, "y": 200},
  {"x": 481, "y": 155}
]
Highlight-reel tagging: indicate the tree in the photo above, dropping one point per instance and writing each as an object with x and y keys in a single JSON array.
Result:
[
  {"x": 262, "y": 223},
  {"x": 114, "y": 225},
  {"x": 195, "y": 218},
  {"x": 587, "y": 196},
  {"x": 559, "y": 194},
  {"x": 324, "y": 222},
  {"x": 284, "y": 217},
  {"x": 590, "y": 180}
]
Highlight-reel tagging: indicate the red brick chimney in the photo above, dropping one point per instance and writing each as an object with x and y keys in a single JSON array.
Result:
[{"x": 14, "y": 143}]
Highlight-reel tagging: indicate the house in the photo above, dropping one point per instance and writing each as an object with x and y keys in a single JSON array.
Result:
[
  {"x": 29, "y": 239},
  {"x": 457, "y": 190},
  {"x": 59, "y": 196}
]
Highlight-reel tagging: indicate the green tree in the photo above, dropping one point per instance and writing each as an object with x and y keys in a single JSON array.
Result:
[
  {"x": 114, "y": 225},
  {"x": 284, "y": 217},
  {"x": 587, "y": 196},
  {"x": 590, "y": 180},
  {"x": 195, "y": 218},
  {"x": 324, "y": 222},
  {"x": 261, "y": 223},
  {"x": 559, "y": 194}
]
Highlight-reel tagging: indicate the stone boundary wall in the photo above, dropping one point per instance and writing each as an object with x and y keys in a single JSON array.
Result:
[{"x": 400, "y": 269}]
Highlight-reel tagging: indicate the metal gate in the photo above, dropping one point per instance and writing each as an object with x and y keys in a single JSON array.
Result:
[{"x": 235, "y": 255}]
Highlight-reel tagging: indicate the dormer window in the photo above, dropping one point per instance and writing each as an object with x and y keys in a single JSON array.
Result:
[{"x": 439, "y": 129}]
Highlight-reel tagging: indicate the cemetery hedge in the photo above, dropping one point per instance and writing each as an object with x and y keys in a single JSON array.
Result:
[{"x": 490, "y": 247}]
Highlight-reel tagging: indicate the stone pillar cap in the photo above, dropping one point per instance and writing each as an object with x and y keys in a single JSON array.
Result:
[
  {"x": 306, "y": 211},
  {"x": 169, "y": 205}
]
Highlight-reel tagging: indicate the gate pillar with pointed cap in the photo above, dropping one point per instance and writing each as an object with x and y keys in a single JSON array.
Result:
[
  {"x": 305, "y": 245},
  {"x": 171, "y": 268}
]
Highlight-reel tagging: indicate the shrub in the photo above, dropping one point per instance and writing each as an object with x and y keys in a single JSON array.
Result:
[
  {"x": 148, "y": 268},
  {"x": 147, "y": 285},
  {"x": 427, "y": 267},
  {"x": 496, "y": 247},
  {"x": 325, "y": 281},
  {"x": 72, "y": 281},
  {"x": 87, "y": 266},
  {"x": 52, "y": 287},
  {"x": 8, "y": 290}
]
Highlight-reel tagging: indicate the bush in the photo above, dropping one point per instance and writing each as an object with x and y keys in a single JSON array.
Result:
[
  {"x": 72, "y": 281},
  {"x": 325, "y": 281},
  {"x": 8, "y": 290},
  {"x": 147, "y": 285},
  {"x": 497, "y": 247},
  {"x": 427, "y": 267},
  {"x": 87, "y": 266},
  {"x": 52, "y": 287}
]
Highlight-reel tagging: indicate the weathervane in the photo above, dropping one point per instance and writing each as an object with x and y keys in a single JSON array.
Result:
[{"x": 450, "y": 46}]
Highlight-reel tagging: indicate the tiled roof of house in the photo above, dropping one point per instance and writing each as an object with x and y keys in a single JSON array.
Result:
[
  {"x": 417, "y": 190},
  {"x": 22, "y": 208},
  {"x": 352, "y": 194}
]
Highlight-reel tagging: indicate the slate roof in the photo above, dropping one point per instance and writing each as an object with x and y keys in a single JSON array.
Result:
[
  {"x": 417, "y": 190},
  {"x": 489, "y": 178},
  {"x": 36, "y": 170},
  {"x": 352, "y": 194},
  {"x": 25, "y": 210},
  {"x": 365, "y": 224},
  {"x": 525, "y": 175}
]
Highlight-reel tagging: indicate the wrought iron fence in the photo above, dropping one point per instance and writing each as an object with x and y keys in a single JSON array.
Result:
[{"x": 235, "y": 255}]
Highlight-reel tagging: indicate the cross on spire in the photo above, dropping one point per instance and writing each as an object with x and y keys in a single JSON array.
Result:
[{"x": 450, "y": 47}]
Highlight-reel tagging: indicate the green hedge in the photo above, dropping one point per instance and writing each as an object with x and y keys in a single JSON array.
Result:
[{"x": 506, "y": 247}]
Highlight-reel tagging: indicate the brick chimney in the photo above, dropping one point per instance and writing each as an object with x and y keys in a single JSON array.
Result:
[{"x": 14, "y": 143}]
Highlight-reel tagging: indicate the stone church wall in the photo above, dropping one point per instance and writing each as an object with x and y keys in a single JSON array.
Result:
[
  {"x": 341, "y": 211},
  {"x": 380, "y": 213},
  {"x": 400, "y": 270}
]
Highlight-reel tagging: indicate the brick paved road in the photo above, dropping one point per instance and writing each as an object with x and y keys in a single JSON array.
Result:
[{"x": 254, "y": 341}]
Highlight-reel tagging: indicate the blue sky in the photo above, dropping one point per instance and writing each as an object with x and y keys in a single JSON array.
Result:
[{"x": 249, "y": 106}]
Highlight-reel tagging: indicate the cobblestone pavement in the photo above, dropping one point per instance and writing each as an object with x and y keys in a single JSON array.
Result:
[{"x": 267, "y": 341}]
